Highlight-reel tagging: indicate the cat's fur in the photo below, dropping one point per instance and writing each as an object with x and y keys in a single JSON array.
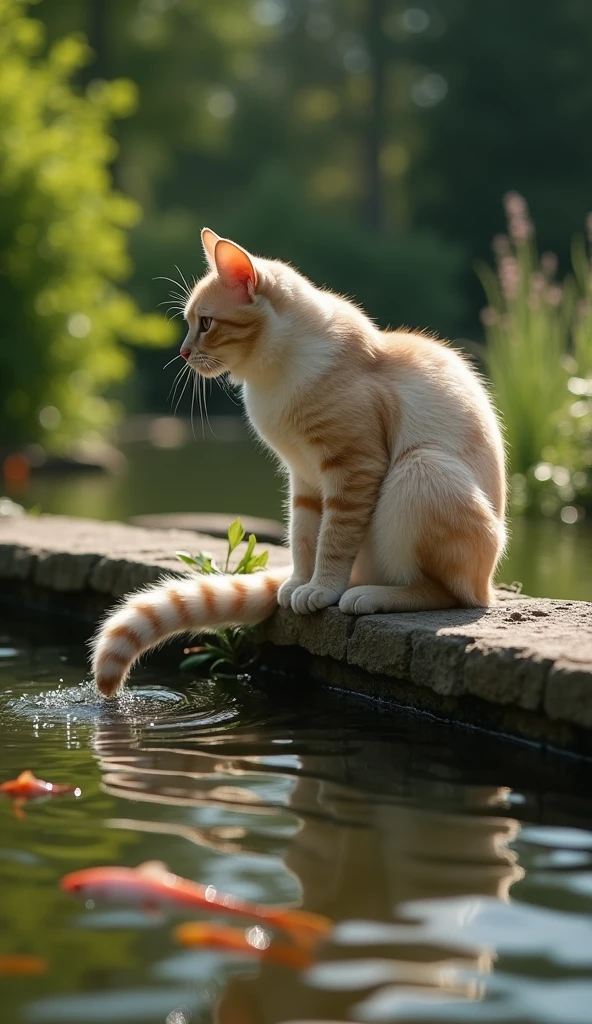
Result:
[{"x": 394, "y": 455}]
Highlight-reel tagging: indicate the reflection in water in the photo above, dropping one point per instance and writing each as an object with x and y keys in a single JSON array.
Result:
[
  {"x": 405, "y": 834},
  {"x": 367, "y": 871},
  {"x": 356, "y": 858}
]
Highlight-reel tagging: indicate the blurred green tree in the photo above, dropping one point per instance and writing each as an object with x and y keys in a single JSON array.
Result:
[
  {"x": 392, "y": 113},
  {"x": 396, "y": 123},
  {"x": 503, "y": 99},
  {"x": 64, "y": 321},
  {"x": 283, "y": 123}
]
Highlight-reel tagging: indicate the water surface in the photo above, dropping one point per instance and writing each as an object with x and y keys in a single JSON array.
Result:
[{"x": 458, "y": 870}]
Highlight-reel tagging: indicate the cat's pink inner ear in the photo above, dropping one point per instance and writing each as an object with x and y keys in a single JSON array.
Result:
[
  {"x": 208, "y": 241},
  {"x": 235, "y": 268}
]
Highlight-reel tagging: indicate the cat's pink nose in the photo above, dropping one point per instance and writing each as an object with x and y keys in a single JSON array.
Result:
[{"x": 185, "y": 349}]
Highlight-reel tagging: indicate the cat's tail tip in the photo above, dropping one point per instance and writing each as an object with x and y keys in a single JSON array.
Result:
[{"x": 174, "y": 606}]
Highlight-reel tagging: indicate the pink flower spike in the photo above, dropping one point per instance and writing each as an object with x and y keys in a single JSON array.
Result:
[
  {"x": 549, "y": 264},
  {"x": 501, "y": 245},
  {"x": 521, "y": 228},
  {"x": 509, "y": 273},
  {"x": 488, "y": 317},
  {"x": 515, "y": 205}
]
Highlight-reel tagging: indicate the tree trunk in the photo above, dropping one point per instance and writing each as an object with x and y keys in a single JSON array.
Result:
[{"x": 374, "y": 212}]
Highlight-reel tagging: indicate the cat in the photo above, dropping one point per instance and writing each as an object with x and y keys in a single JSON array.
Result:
[{"x": 393, "y": 450}]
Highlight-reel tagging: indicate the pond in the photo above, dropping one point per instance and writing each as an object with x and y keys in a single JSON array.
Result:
[
  {"x": 233, "y": 475},
  {"x": 457, "y": 869}
]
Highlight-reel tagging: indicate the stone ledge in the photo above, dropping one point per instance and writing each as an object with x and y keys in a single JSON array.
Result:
[
  {"x": 73, "y": 555},
  {"x": 528, "y": 660},
  {"x": 533, "y": 654}
]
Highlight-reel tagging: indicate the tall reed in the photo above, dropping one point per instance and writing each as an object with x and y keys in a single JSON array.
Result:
[{"x": 538, "y": 355}]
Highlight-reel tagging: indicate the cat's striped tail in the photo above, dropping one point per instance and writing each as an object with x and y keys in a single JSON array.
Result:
[{"x": 178, "y": 605}]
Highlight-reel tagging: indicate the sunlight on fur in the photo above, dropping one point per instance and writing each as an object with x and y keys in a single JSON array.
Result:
[{"x": 393, "y": 451}]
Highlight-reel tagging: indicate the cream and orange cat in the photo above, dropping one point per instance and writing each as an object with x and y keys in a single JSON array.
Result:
[{"x": 394, "y": 455}]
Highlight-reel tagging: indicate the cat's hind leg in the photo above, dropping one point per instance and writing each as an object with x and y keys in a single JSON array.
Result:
[
  {"x": 421, "y": 595},
  {"x": 435, "y": 536}
]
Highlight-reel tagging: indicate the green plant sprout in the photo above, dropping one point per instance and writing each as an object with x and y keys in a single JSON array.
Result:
[{"x": 231, "y": 651}]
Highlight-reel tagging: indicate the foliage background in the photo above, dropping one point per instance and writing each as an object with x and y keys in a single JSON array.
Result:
[
  {"x": 62, "y": 239},
  {"x": 370, "y": 142},
  {"x": 386, "y": 131}
]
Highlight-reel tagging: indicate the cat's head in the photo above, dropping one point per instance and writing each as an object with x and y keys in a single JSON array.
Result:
[{"x": 227, "y": 312}]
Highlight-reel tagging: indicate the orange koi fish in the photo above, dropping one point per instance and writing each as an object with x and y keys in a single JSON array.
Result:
[
  {"x": 27, "y": 787},
  {"x": 20, "y": 965},
  {"x": 153, "y": 886},
  {"x": 254, "y": 941}
]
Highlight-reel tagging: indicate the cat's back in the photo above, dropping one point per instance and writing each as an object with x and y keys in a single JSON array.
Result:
[
  {"x": 444, "y": 403},
  {"x": 433, "y": 379}
]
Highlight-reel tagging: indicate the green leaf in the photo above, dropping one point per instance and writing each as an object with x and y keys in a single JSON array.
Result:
[
  {"x": 258, "y": 562},
  {"x": 196, "y": 661},
  {"x": 231, "y": 647},
  {"x": 223, "y": 661},
  {"x": 242, "y": 565},
  {"x": 184, "y": 556},
  {"x": 200, "y": 562},
  {"x": 227, "y": 642},
  {"x": 216, "y": 651},
  {"x": 236, "y": 532},
  {"x": 206, "y": 564}
]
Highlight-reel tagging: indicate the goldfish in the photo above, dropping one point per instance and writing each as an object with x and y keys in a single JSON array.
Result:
[
  {"x": 27, "y": 787},
  {"x": 255, "y": 941},
  {"x": 153, "y": 886},
  {"x": 21, "y": 965}
]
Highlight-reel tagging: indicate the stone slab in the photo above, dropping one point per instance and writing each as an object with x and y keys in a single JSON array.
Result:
[
  {"x": 267, "y": 531},
  {"x": 67, "y": 554},
  {"x": 530, "y": 654}
]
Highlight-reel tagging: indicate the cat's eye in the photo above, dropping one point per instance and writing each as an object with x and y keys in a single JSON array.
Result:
[{"x": 205, "y": 322}]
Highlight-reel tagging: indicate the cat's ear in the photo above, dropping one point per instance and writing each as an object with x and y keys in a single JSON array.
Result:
[
  {"x": 235, "y": 268},
  {"x": 208, "y": 241}
]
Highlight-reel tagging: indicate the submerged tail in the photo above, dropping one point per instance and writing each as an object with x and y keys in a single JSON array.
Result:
[{"x": 178, "y": 606}]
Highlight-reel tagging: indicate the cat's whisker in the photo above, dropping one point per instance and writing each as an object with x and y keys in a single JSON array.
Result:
[
  {"x": 177, "y": 284},
  {"x": 184, "y": 369},
  {"x": 179, "y": 309},
  {"x": 227, "y": 388},
  {"x": 192, "y": 405},
  {"x": 182, "y": 276},
  {"x": 183, "y": 390},
  {"x": 205, "y": 405},
  {"x": 178, "y": 356},
  {"x": 178, "y": 375},
  {"x": 173, "y": 388},
  {"x": 201, "y": 416}
]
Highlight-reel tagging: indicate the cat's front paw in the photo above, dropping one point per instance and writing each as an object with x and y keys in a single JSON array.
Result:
[
  {"x": 311, "y": 598},
  {"x": 284, "y": 597}
]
